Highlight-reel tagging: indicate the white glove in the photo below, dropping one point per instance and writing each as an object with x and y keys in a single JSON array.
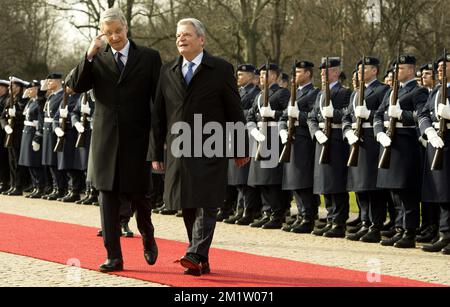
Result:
[
  {"x": 8, "y": 129},
  {"x": 85, "y": 109},
  {"x": 395, "y": 111},
  {"x": 267, "y": 112},
  {"x": 293, "y": 111},
  {"x": 328, "y": 111},
  {"x": 36, "y": 146},
  {"x": 362, "y": 112},
  {"x": 79, "y": 127},
  {"x": 321, "y": 137},
  {"x": 63, "y": 113},
  {"x": 351, "y": 137},
  {"x": 59, "y": 132},
  {"x": 423, "y": 142},
  {"x": 283, "y": 136},
  {"x": 12, "y": 111},
  {"x": 383, "y": 139},
  {"x": 257, "y": 135},
  {"x": 434, "y": 138},
  {"x": 444, "y": 111}
]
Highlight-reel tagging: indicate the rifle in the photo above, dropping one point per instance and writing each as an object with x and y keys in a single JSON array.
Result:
[
  {"x": 286, "y": 153},
  {"x": 258, "y": 156},
  {"x": 325, "y": 153},
  {"x": 62, "y": 122},
  {"x": 385, "y": 160},
  {"x": 81, "y": 140},
  {"x": 354, "y": 152},
  {"x": 438, "y": 158},
  {"x": 12, "y": 102}
]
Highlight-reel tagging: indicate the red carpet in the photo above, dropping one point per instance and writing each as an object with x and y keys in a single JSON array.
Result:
[{"x": 59, "y": 242}]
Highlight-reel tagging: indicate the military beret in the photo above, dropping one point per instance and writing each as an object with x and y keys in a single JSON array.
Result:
[
  {"x": 429, "y": 66},
  {"x": 18, "y": 81},
  {"x": 246, "y": 68},
  {"x": 34, "y": 83},
  {"x": 4, "y": 82},
  {"x": 304, "y": 64},
  {"x": 272, "y": 66},
  {"x": 333, "y": 62},
  {"x": 407, "y": 59},
  {"x": 55, "y": 76},
  {"x": 441, "y": 58},
  {"x": 369, "y": 61}
]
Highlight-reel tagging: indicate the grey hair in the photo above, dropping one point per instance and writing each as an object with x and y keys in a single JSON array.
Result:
[
  {"x": 197, "y": 24},
  {"x": 112, "y": 14}
]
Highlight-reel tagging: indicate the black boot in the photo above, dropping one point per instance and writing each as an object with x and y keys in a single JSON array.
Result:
[
  {"x": 264, "y": 219},
  {"x": 321, "y": 231},
  {"x": 72, "y": 197},
  {"x": 373, "y": 235},
  {"x": 3, "y": 187},
  {"x": 86, "y": 197},
  {"x": 289, "y": 226},
  {"x": 223, "y": 214},
  {"x": 16, "y": 192},
  {"x": 275, "y": 222},
  {"x": 247, "y": 218},
  {"x": 32, "y": 193},
  {"x": 408, "y": 240},
  {"x": 389, "y": 233},
  {"x": 293, "y": 219},
  {"x": 158, "y": 208},
  {"x": 58, "y": 194},
  {"x": 337, "y": 231},
  {"x": 428, "y": 234},
  {"x": 443, "y": 241},
  {"x": 92, "y": 200},
  {"x": 234, "y": 218},
  {"x": 397, "y": 237},
  {"x": 38, "y": 194},
  {"x": 67, "y": 195},
  {"x": 7, "y": 191},
  {"x": 358, "y": 235},
  {"x": 50, "y": 193},
  {"x": 306, "y": 226}
]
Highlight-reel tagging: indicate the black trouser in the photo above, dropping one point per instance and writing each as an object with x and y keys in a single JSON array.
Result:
[
  {"x": 157, "y": 191},
  {"x": 251, "y": 198},
  {"x": 430, "y": 214},
  {"x": 373, "y": 206},
  {"x": 391, "y": 207},
  {"x": 58, "y": 178},
  {"x": 307, "y": 203},
  {"x": 76, "y": 180},
  {"x": 18, "y": 174},
  {"x": 4, "y": 165},
  {"x": 111, "y": 204},
  {"x": 273, "y": 199},
  {"x": 410, "y": 208},
  {"x": 338, "y": 208},
  {"x": 37, "y": 177},
  {"x": 230, "y": 199},
  {"x": 444, "y": 223},
  {"x": 200, "y": 225}
]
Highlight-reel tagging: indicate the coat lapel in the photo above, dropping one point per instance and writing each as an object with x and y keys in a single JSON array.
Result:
[
  {"x": 111, "y": 62},
  {"x": 133, "y": 58}
]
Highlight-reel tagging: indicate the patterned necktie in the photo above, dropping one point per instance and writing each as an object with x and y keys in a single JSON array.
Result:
[
  {"x": 120, "y": 64},
  {"x": 190, "y": 73}
]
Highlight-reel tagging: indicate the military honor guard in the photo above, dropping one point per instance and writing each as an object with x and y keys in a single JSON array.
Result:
[{"x": 4, "y": 165}]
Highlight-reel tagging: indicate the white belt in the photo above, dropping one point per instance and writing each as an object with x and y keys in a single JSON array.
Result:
[
  {"x": 269, "y": 124},
  {"x": 333, "y": 126},
  {"x": 30, "y": 124},
  {"x": 437, "y": 126},
  {"x": 398, "y": 125},
  {"x": 364, "y": 125},
  {"x": 48, "y": 120}
]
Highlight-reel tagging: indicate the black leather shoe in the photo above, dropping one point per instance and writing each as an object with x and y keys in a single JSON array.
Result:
[
  {"x": 38, "y": 194},
  {"x": 151, "y": 251},
  {"x": 51, "y": 193},
  {"x": 16, "y": 192},
  {"x": 355, "y": 229},
  {"x": 158, "y": 208},
  {"x": 204, "y": 270},
  {"x": 234, "y": 218},
  {"x": 273, "y": 223},
  {"x": 222, "y": 215},
  {"x": 86, "y": 197},
  {"x": 100, "y": 233},
  {"x": 372, "y": 236},
  {"x": 358, "y": 235},
  {"x": 397, "y": 237},
  {"x": 443, "y": 241},
  {"x": 428, "y": 234},
  {"x": 304, "y": 227},
  {"x": 245, "y": 220},
  {"x": 55, "y": 196},
  {"x": 264, "y": 219},
  {"x": 31, "y": 194},
  {"x": 293, "y": 219},
  {"x": 168, "y": 212},
  {"x": 336, "y": 231},
  {"x": 71, "y": 198},
  {"x": 126, "y": 231},
  {"x": 408, "y": 240},
  {"x": 190, "y": 261},
  {"x": 321, "y": 231},
  {"x": 7, "y": 191},
  {"x": 389, "y": 233},
  {"x": 320, "y": 224},
  {"x": 112, "y": 265},
  {"x": 92, "y": 200}
]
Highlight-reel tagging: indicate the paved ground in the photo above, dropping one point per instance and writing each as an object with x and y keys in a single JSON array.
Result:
[{"x": 414, "y": 264}]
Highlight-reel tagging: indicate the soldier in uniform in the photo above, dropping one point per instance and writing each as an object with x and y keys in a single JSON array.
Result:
[
  {"x": 4, "y": 165},
  {"x": 30, "y": 149},
  {"x": 18, "y": 174},
  {"x": 248, "y": 200},
  {"x": 362, "y": 179},
  {"x": 67, "y": 158},
  {"x": 402, "y": 178},
  {"x": 389, "y": 77},
  {"x": 435, "y": 189},
  {"x": 298, "y": 174},
  {"x": 330, "y": 179},
  {"x": 268, "y": 180},
  {"x": 427, "y": 72},
  {"x": 49, "y": 157},
  {"x": 284, "y": 80}
]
